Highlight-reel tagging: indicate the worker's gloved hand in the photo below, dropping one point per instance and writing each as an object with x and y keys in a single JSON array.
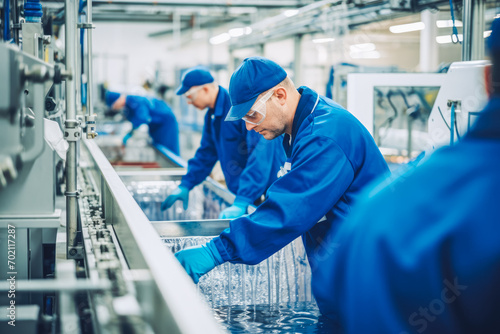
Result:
[
  {"x": 127, "y": 137},
  {"x": 238, "y": 209},
  {"x": 199, "y": 260},
  {"x": 181, "y": 193}
]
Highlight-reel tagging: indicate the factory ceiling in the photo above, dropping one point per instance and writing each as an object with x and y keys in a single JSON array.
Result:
[{"x": 268, "y": 19}]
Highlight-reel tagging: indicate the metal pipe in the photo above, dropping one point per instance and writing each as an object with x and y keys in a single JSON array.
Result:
[
  {"x": 90, "y": 117},
  {"x": 70, "y": 50},
  {"x": 59, "y": 285},
  {"x": 211, "y": 3},
  {"x": 90, "y": 81},
  {"x": 428, "y": 46},
  {"x": 15, "y": 20},
  {"x": 306, "y": 23},
  {"x": 473, "y": 27},
  {"x": 478, "y": 37},
  {"x": 297, "y": 61},
  {"x": 467, "y": 30},
  {"x": 71, "y": 123},
  {"x": 274, "y": 20}
]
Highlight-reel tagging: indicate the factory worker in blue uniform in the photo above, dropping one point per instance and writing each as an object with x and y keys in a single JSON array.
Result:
[
  {"x": 331, "y": 157},
  {"x": 249, "y": 163},
  {"x": 161, "y": 121},
  {"x": 422, "y": 252}
]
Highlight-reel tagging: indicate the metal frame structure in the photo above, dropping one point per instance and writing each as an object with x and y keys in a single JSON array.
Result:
[{"x": 165, "y": 292}]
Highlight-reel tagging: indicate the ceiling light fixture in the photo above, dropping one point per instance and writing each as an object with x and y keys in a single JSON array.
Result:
[
  {"x": 448, "y": 23},
  {"x": 407, "y": 27},
  {"x": 323, "y": 40},
  {"x": 236, "y": 32},
  {"x": 291, "y": 12},
  {"x": 219, "y": 39}
]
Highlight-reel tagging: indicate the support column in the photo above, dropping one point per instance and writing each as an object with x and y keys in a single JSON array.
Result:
[{"x": 428, "y": 45}]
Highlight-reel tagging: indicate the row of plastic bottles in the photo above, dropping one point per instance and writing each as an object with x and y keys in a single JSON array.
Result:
[
  {"x": 285, "y": 277},
  {"x": 263, "y": 293},
  {"x": 203, "y": 203}
]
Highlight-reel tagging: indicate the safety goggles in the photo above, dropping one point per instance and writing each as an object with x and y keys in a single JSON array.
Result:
[
  {"x": 192, "y": 93},
  {"x": 257, "y": 113}
]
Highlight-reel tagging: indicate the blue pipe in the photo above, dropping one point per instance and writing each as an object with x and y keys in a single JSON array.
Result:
[
  {"x": 6, "y": 21},
  {"x": 83, "y": 85},
  {"x": 452, "y": 122}
]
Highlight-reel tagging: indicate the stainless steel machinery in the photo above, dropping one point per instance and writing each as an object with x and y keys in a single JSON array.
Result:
[{"x": 89, "y": 261}]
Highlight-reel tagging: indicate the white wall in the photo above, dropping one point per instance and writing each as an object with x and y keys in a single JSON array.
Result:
[{"x": 125, "y": 56}]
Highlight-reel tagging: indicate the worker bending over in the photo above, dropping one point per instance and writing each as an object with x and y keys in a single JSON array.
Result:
[
  {"x": 249, "y": 163},
  {"x": 331, "y": 157},
  {"x": 161, "y": 121}
]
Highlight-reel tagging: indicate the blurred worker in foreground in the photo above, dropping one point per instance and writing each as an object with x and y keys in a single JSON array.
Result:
[
  {"x": 163, "y": 127},
  {"x": 422, "y": 252},
  {"x": 250, "y": 164},
  {"x": 330, "y": 158}
]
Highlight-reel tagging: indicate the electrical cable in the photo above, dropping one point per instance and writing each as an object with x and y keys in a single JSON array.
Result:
[
  {"x": 400, "y": 92},
  {"x": 456, "y": 129},
  {"x": 388, "y": 122},
  {"x": 444, "y": 120},
  {"x": 454, "y": 28}
]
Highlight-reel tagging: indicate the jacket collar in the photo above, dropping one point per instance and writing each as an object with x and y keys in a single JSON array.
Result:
[{"x": 306, "y": 104}]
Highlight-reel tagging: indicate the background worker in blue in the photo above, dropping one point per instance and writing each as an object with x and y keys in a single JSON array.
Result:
[
  {"x": 422, "y": 254},
  {"x": 330, "y": 158},
  {"x": 249, "y": 163},
  {"x": 163, "y": 127}
]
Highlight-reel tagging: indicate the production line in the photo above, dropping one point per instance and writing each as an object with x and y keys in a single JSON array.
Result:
[
  {"x": 96, "y": 233},
  {"x": 282, "y": 278}
]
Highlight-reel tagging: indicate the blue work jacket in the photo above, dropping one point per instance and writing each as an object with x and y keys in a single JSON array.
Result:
[
  {"x": 422, "y": 254},
  {"x": 249, "y": 162},
  {"x": 331, "y": 157},
  {"x": 163, "y": 127}
]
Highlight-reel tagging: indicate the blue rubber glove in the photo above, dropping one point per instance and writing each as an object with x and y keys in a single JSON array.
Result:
[
  {"x": 181, "y": 193},
  {"x": 199, "y": 260},
  {"x": 127, "y": 137},
  {"x": 238, "y": 209}
]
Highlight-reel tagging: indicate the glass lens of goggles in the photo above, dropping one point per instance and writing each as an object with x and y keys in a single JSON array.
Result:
[
  {"x": 191, "y": 93},
  {"x": 257, "y": 114}
]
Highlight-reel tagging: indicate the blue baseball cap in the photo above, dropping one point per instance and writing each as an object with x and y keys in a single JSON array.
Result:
[
  {"x": 494, "y": 38},
  {"x": 253, "y": 77},
  {"x": 111, "y": 97},
  {"x": 195, "y": 76}
]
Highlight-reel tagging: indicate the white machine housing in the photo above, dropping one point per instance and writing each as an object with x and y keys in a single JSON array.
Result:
[{"x": 465, "y": 82}]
